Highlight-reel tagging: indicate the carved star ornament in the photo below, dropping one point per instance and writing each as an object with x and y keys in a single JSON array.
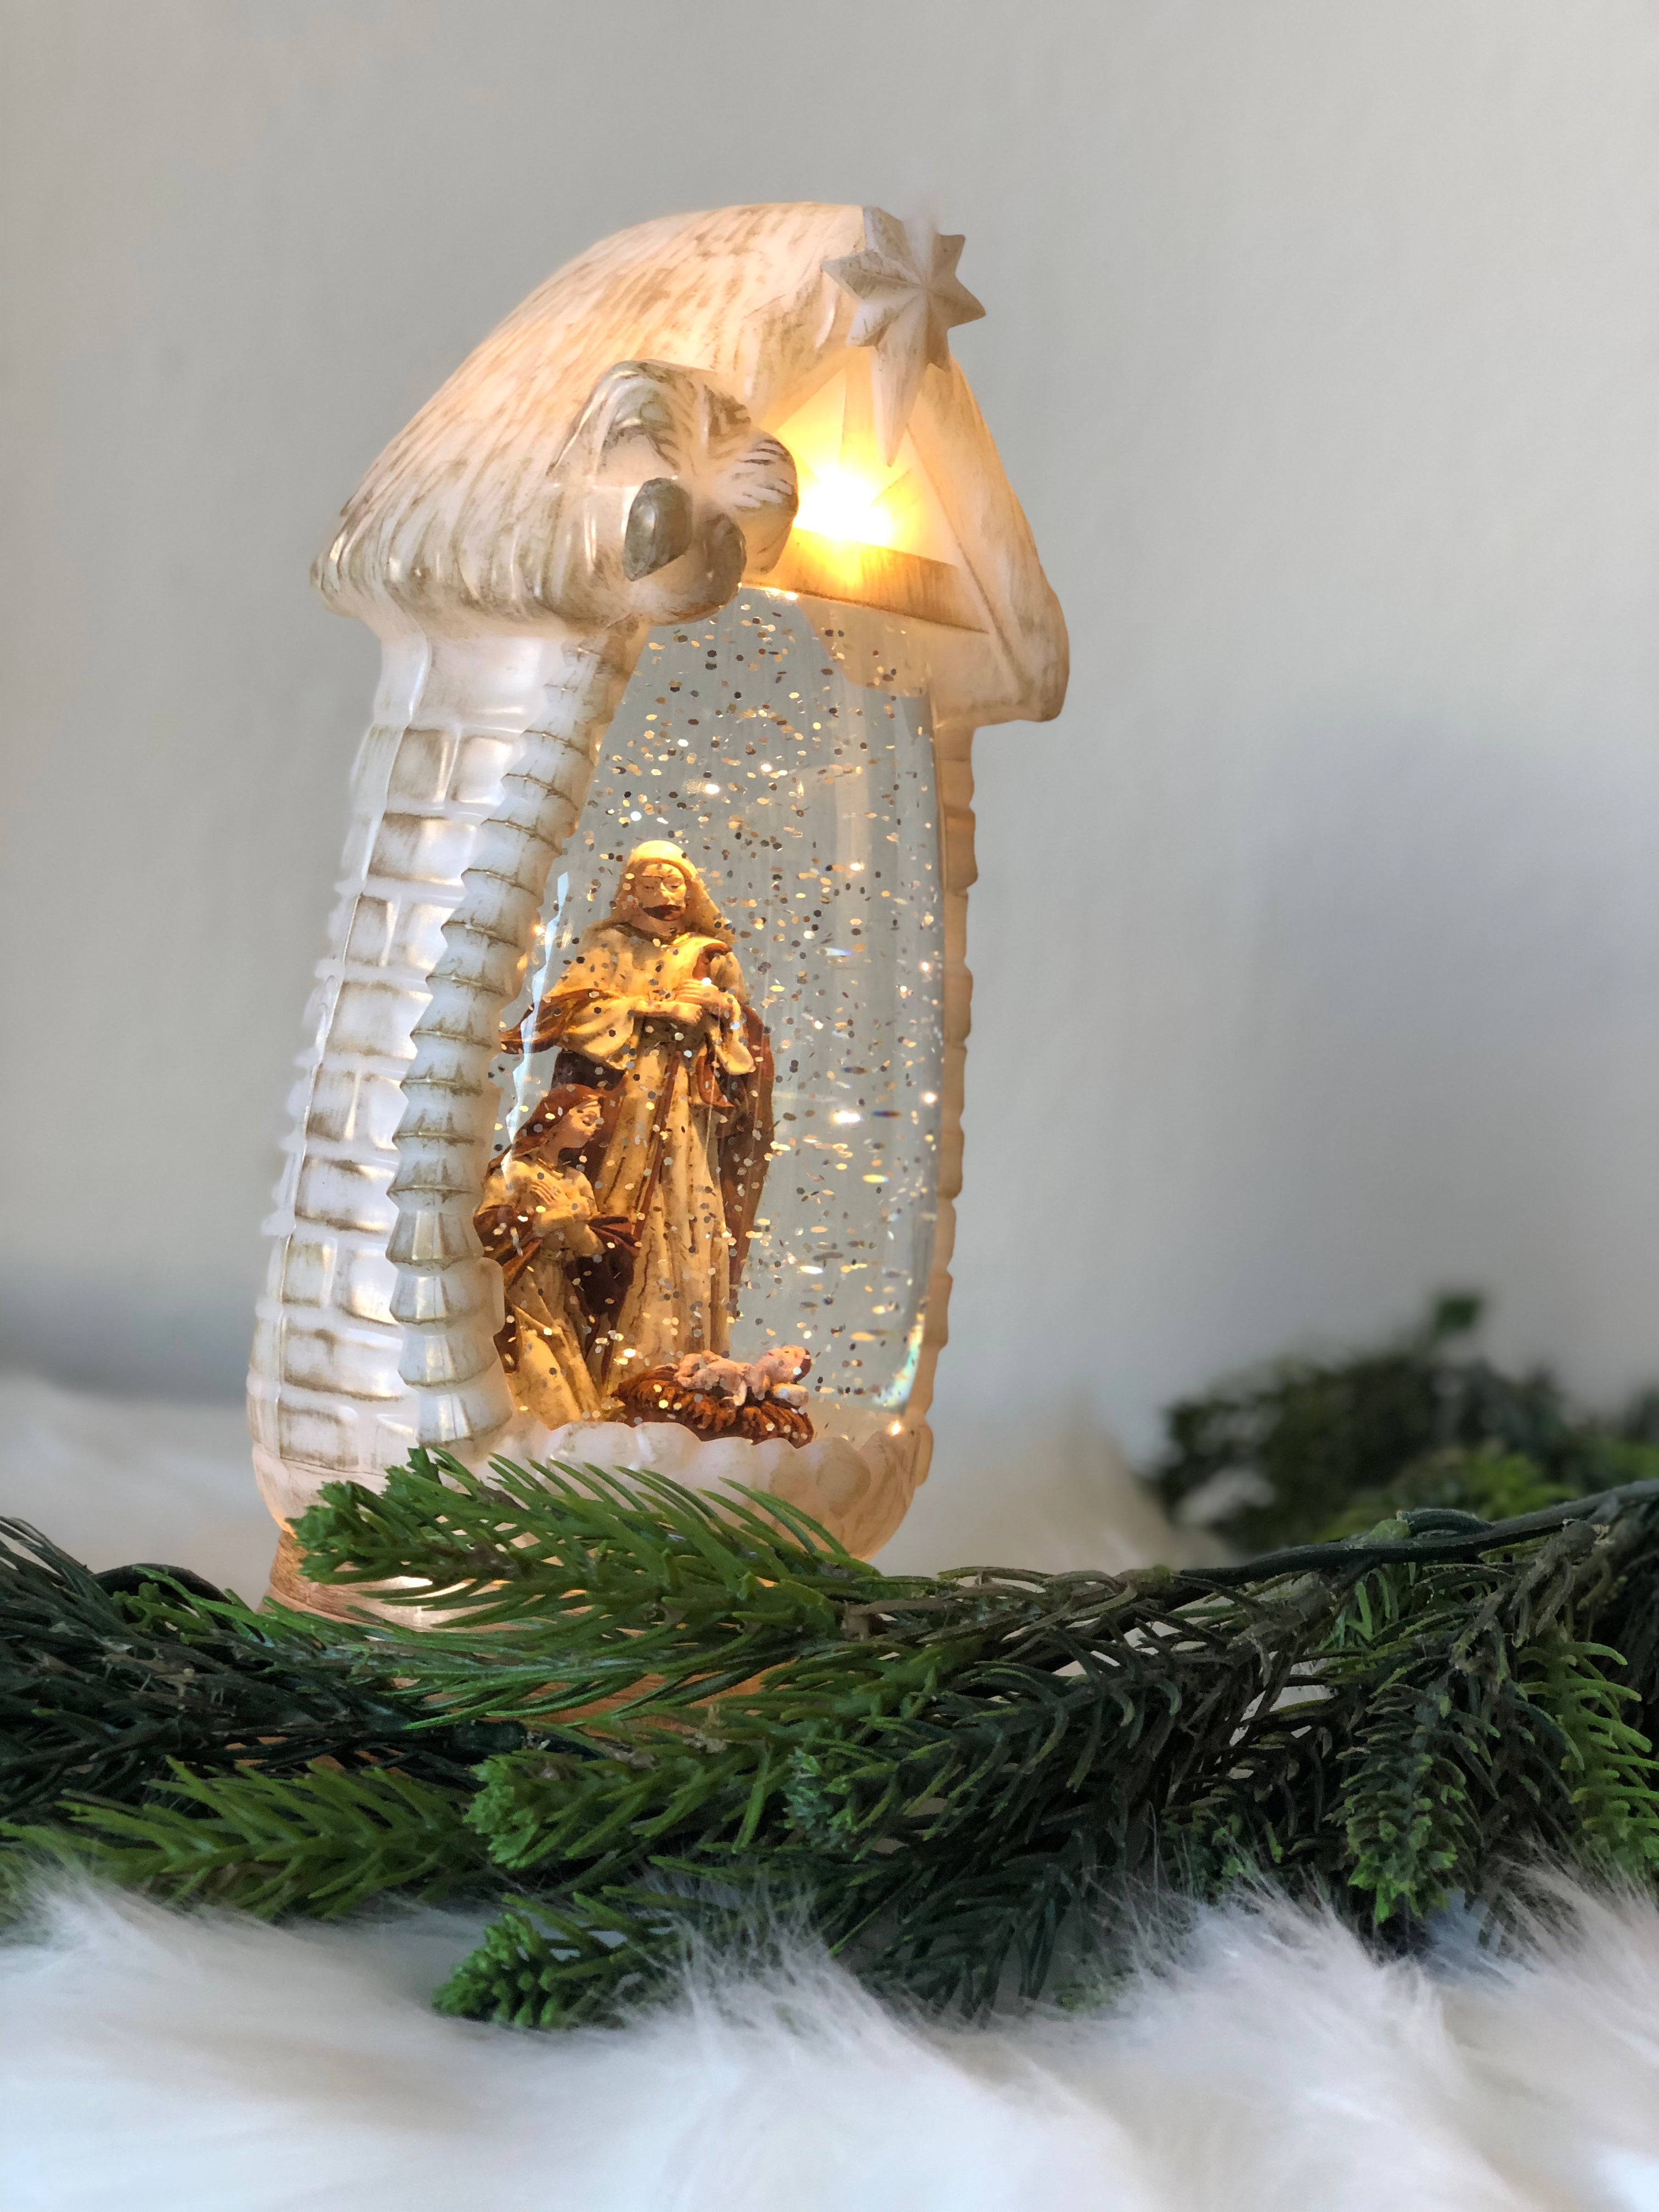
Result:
[{"x": 909, "y": 298}]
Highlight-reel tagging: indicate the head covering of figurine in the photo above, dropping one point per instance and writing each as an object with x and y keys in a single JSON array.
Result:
[
  {"x": 699, "y": 914},
  {"x": 533, "y": 1133}
]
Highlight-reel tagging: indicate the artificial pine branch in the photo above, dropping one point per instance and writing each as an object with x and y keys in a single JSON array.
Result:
[
  {"x": 1308, "y": 1448},
  {"x": 943, "y": 1778},
  {"x": 105, "y": 1679},
  {"x": 558, "y": 1962},
  {"x": 606, "y": 1584},
  {"x": 325, "y": 1841}
]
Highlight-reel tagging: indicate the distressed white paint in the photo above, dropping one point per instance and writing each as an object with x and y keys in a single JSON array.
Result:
[
  {"x": 376, "y": 1303},
  {"x": 493, "y": 548},
  {"x": 508, "y": 642},
  {"x": 1323, "y": 347}
]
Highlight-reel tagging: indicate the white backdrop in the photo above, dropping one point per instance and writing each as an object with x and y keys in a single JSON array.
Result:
[{"x": 1317, "y": 946}]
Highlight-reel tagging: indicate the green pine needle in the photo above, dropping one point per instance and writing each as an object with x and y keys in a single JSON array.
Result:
[
  {"x": 325, "y": 1841},
  {"x": 661, "y": 1718},
  {"x": 549, "y": 1963}
]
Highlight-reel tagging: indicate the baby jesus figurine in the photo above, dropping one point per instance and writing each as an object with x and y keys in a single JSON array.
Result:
[
  {"x": 564, "y": 1266},
  {"x": 772, "y": 1376},
  {"x": 720, "y": 1397}
]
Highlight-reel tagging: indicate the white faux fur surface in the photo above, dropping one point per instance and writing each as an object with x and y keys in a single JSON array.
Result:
[
  {"x": 151, "y": 2062},
  {"x": 163, "y": 2064},
  {"x": 114, "y": 1479}
]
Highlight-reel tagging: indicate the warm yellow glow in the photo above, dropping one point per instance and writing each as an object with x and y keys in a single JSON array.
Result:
[
  {"x": 839, "y": 502},
  {"x": 849, "y": 494},
  {"x": 867, "y": 532}
]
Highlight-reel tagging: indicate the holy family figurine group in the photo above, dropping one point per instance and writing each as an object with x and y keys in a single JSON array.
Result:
[{"x": 621, "y": 1212}]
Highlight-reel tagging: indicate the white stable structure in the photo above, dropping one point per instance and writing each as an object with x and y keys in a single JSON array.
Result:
[{"x": 509, "y": 554}]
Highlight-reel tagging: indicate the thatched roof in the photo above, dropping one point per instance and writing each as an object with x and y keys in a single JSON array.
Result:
[{"x": 739, "y": 292}]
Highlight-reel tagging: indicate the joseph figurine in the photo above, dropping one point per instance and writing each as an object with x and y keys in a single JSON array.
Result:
[{"x": 652, "y": 1011}]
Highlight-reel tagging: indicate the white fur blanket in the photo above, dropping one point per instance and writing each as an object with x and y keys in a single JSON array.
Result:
[{"x": 154, "y": 2062}]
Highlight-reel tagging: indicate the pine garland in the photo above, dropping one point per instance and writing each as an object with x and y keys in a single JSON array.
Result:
[
  {"x": 321, "y": 1842},
  {"x": 661, "y": 1719},
  {"x": 1307, "y": 1447}
]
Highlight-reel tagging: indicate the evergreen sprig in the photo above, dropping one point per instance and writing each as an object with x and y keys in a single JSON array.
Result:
[
  {"x": 1304, "y": 1447},
  {"x": 606, "y": 1585},
  {"x": 105, "y": 1678},
  {"x": 661, "y": 1718},
  {"x": 322, "y": 1842}
]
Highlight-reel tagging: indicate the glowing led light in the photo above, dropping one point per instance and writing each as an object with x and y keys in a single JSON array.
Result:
[
  {"x": 845, "y": 1117},
  {"x": 896, "y": 1428},
  {"x": 929, "y": 1097},
  {"x": 837, "y": 501}
]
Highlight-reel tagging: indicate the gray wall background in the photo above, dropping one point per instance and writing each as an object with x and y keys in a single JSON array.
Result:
[{"x": 1317, "y": 948}]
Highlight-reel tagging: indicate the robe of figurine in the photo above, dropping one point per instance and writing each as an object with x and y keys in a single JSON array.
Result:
[
  {"x": 542, "y": 1344},
  {"x": 653, "y": 1003}
]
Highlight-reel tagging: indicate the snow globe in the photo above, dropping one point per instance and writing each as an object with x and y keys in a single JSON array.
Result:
[{"x": 628, "y": 1121}]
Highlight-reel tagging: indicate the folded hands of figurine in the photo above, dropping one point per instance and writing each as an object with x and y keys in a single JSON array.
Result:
[
  {"x": 554, "y": 1221},
  {"x": 502, "y": 1229},
  {"x": 701, "y": 1002}
]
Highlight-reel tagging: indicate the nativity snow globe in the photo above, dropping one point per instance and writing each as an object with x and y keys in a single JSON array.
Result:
[{"x": 628, "y": 1123}]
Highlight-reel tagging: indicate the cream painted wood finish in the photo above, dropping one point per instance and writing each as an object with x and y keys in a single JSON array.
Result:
[{"x": 601, "y": 464}]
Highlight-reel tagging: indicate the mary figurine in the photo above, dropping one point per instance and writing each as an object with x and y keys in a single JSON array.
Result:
[{"x": 538, "y": 1220}]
